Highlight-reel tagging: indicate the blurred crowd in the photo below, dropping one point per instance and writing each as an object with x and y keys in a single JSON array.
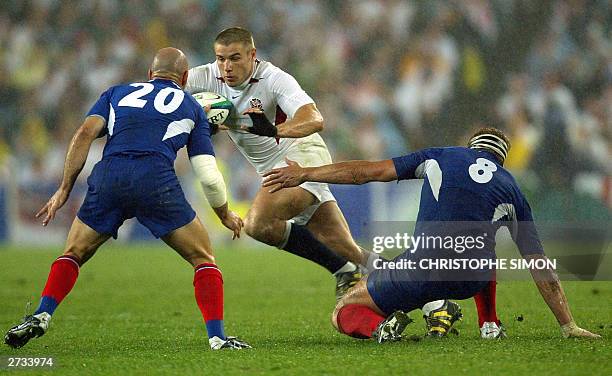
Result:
[{"x": 389, "y": 76}]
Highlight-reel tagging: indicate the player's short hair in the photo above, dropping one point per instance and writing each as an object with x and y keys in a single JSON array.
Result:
[
  {"x": 491, "y": 139},
  {"x": 233, "y": 35}
]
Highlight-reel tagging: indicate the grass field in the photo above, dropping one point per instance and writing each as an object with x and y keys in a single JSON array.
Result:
[{"x": 133, "y": 312}]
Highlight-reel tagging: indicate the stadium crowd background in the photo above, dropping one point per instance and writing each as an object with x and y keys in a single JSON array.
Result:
[{"x": 389, "y": 77}]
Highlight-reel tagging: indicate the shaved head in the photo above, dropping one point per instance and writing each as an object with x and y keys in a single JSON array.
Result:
[{"x": 170, "y": 63}]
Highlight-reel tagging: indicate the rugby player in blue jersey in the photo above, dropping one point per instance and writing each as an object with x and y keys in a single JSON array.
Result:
[
  {"x": 466, "y": 191},
  {"x": 145, "y": 123}
]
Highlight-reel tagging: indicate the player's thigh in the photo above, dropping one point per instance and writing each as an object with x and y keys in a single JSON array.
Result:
[
  {"x": 329, "y": 218},
  {"x": 191, "y": 241},
  {"x": 83, "y": 241},
  {"x": 284, "y": 204},
  {"x": 330, "y": 227},
  {"x": 357, "y": 294}
]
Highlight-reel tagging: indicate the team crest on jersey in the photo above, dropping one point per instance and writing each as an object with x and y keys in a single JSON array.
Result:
[{"x": 256, "y": 103}]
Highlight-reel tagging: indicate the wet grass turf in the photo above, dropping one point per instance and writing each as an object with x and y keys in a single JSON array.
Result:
[{"x": 133, "y": 312}]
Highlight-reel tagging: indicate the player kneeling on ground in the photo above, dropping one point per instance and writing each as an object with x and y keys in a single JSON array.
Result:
[
  {"x": 465, "y": 191},
  {"x": 146, "y": 123}
]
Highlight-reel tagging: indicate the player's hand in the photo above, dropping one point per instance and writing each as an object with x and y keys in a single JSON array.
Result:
[
  {"x": 233, "y": 222},
  {"x": 53, "y": 205},
  {"x": 284, "y": 177},
  {"x": 571, "y": 330},
  {"x": 261, "y": 124},
  {"x": 214, "y": 128}
]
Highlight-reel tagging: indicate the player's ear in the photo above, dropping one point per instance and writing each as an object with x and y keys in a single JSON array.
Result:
[
  {"x": 253, "y": 53},
  {"x": 184, "y": 78}
]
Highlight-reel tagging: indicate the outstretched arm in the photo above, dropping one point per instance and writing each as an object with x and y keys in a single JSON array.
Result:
[
  {"x": 352, "y": 172},
  {"x": 76, "y": 156},
  {"x": 551, "y": 290}
]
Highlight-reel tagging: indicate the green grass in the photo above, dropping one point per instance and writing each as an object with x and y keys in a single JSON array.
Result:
[{"x": 133, "y": 312}]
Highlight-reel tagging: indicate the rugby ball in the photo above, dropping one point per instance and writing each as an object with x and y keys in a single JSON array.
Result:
[{"x": 219, "y": 106}]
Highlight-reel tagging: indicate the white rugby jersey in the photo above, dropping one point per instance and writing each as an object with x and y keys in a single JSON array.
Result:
[{"x": 271, "y": 89}]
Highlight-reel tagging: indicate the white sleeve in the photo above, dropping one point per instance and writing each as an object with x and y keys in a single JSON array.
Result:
[
  {"x": 205, "y": 167},
  {"x": 200, "y": 79},
  {"x": 290, "y": 96}
]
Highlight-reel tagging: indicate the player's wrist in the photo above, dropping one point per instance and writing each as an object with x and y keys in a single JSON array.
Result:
[
  {"x": 306, "y": 174},
  {"x": 568, "y": 329},
  {"x": 222, "y": 211},
  {"x": 65, "y": 187},
  {"x": 261, "y": 125}
]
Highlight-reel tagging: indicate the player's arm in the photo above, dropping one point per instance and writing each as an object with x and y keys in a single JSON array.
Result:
[
  {"x": 76, "y": 156},
  {"x": 551, "y": 290},
  {"x": 304, "y": 118},
  {"x": 204, "y": 163},
  {"x": 525, "y": 235},
  {"x": 306, "y": 121},
  {"x": 411, "y": 166},
  {"x": 352, "y": 172},
  {"x": 213, "y": 185}
]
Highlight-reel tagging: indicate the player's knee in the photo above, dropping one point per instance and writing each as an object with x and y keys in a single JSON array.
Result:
[
  {"x": 83, "y": 252},
  {"x": 202, "y": 260},
  {"x": 200, "y": 256},
  {"x": 334, "y": 316},
  {"x": 250, "y": 226},
  {"x": 258, "y": 228}
]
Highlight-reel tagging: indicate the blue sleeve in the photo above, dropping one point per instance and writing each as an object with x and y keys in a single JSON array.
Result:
[
  {"x": 102, "y": 109},
  {"x": 199, "y": 138},
  {"x": 526, "y": 237},
  {"x": 406, "y": 166}
]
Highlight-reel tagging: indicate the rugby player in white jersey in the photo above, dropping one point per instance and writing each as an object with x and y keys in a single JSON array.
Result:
[{"x": 274, "y": 119}]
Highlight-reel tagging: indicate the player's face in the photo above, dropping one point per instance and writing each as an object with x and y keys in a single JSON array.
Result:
[{"x": 235, "y": 62}]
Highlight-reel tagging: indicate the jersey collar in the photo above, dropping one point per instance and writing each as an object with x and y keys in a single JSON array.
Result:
[
  {"x": 166, "y": 80},
  {"x": 494, "y": 157}
]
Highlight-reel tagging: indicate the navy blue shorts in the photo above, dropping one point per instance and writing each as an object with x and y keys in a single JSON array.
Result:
[
  {"x": 145, "y": 187},
  {"x": 397, "y": 289}
]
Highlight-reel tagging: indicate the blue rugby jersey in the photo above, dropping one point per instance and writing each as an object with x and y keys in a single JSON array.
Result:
[
  {"x": 154, "y": 117},
  {"x": 470, "y": 186}
]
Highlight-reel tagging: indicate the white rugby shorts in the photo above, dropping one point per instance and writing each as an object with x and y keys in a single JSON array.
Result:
[{"x": 309, "y": 151}]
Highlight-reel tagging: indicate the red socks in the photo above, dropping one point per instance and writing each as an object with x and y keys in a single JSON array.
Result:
[
  {"x": 208, "y": 283},
  {"x": 62, "y": 277},
  {"x": 485, "y": 304},
  {"x": 358, "y": 320}
]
